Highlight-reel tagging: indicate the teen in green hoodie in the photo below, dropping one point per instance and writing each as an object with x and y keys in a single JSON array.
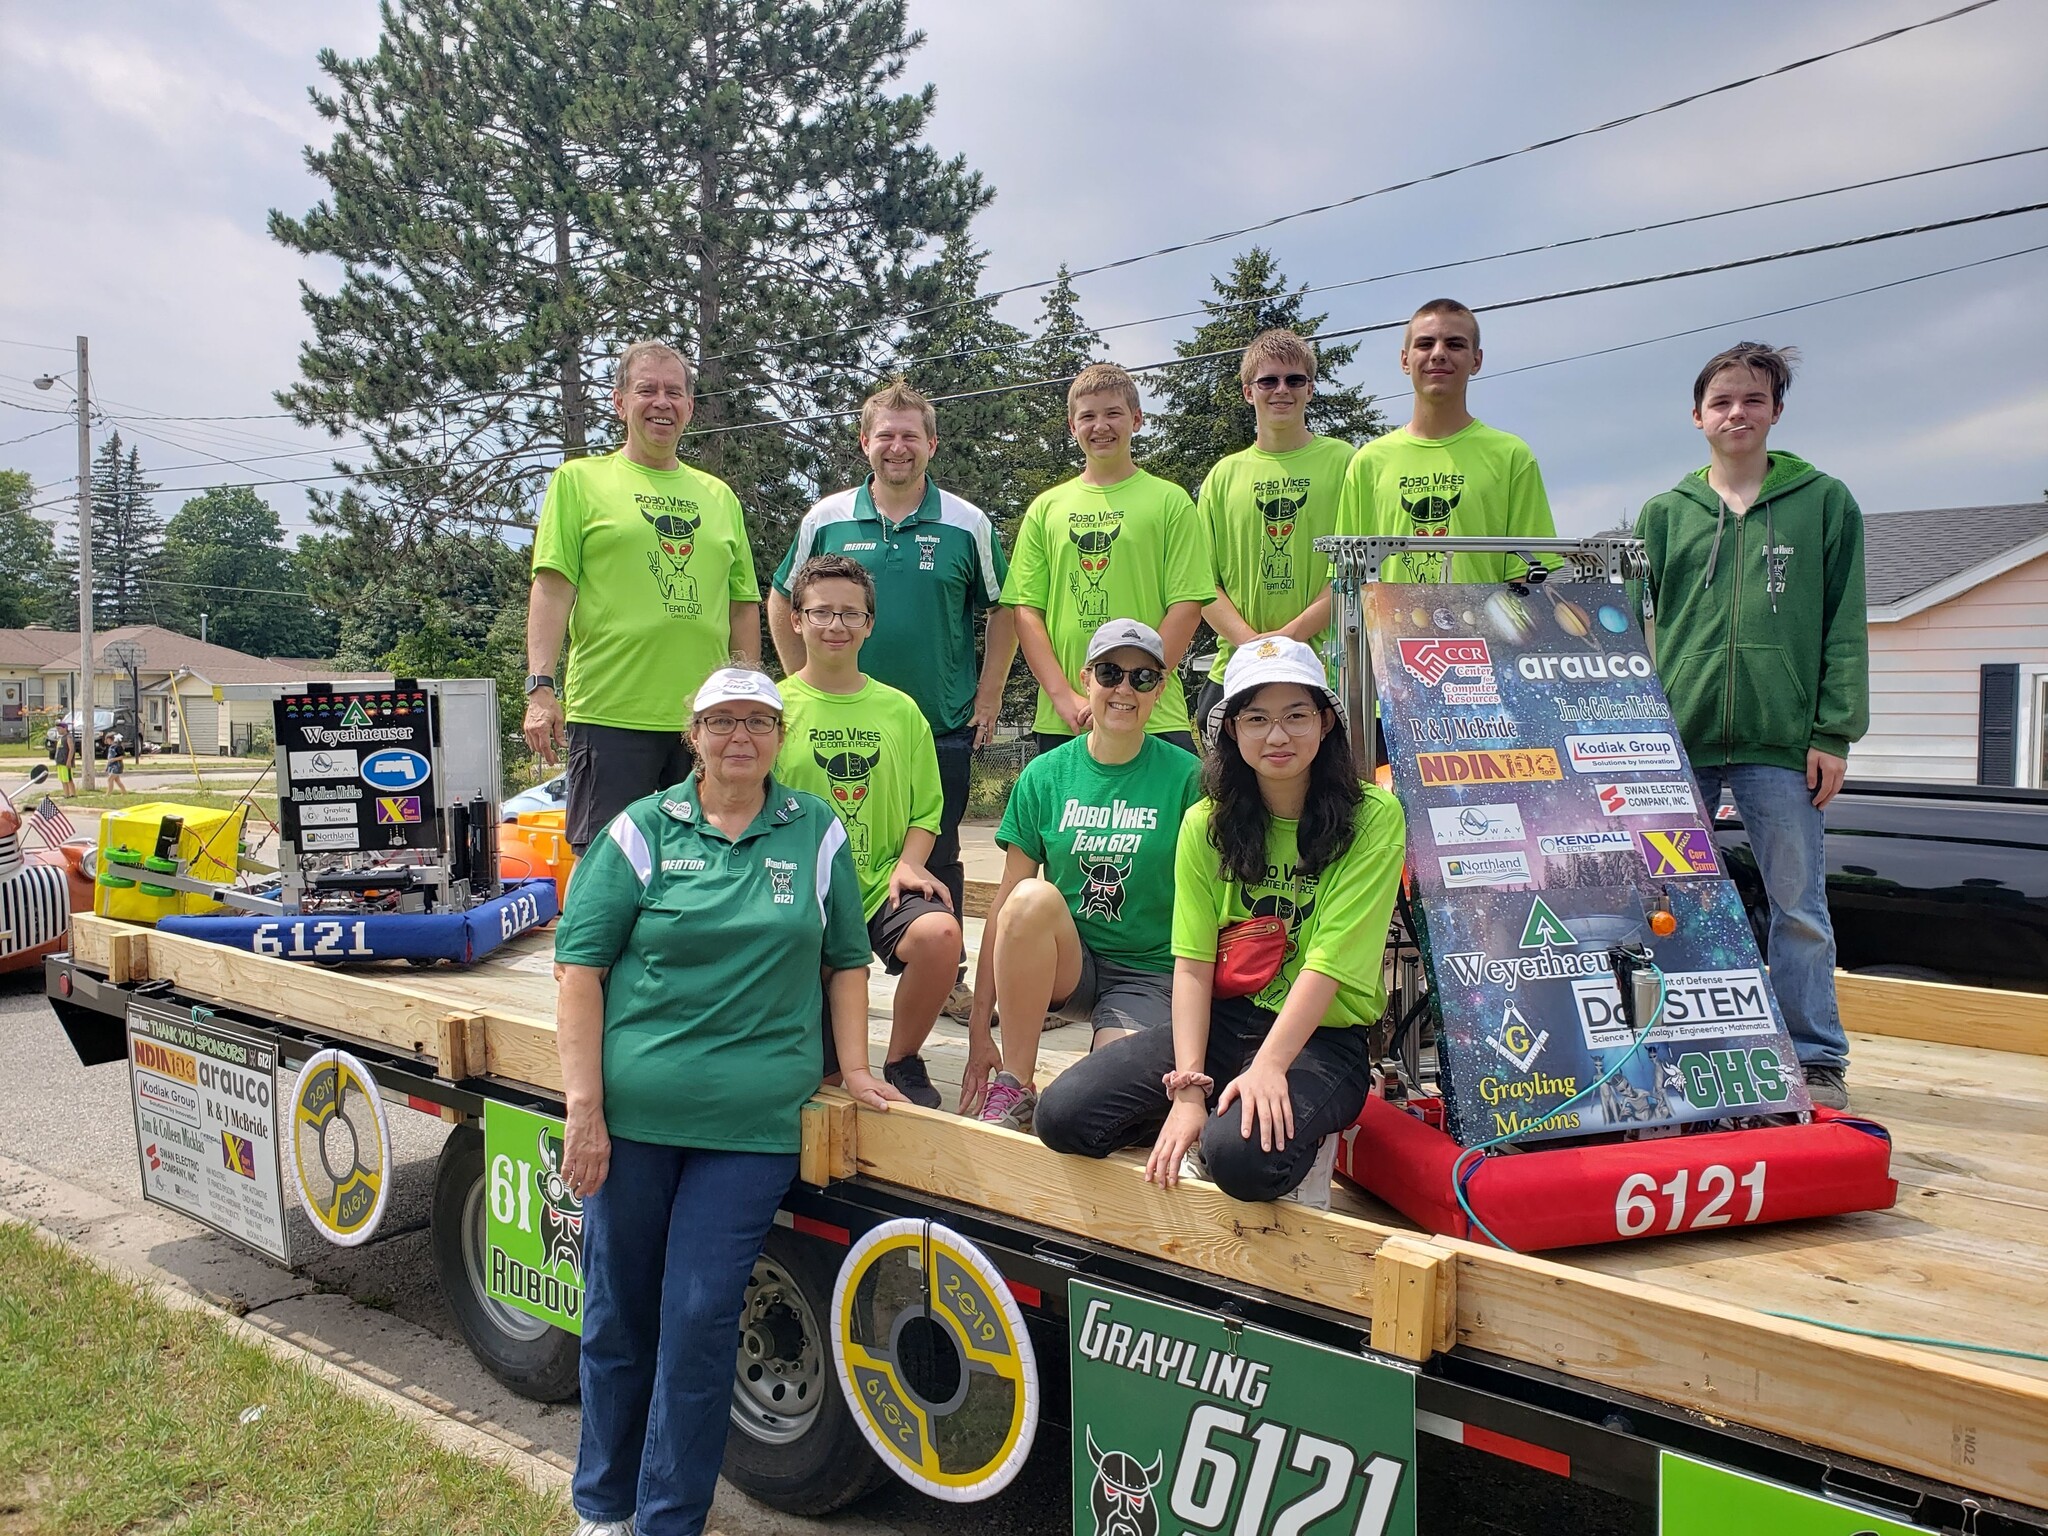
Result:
[{"x": 1756, "y": 569}]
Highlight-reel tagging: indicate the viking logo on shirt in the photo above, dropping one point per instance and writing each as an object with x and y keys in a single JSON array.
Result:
[
  {"x": 782, "y": 878},
  {"x": 1276, "y": 564},
  {"x": 849, "y": 772},
  {"x": 1102, "y": 893},
  {"x": 1429, "y": 515},
  {"x": 675, "y": 526},
  {"x": 1090, "y": 599}
]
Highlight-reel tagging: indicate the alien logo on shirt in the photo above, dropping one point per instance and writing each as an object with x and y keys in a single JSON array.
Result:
[
  {"x": 1276, "y": 565},
  {"x": 849, "y": 772},
  {"x": 1091, "y": 601},
  {"x": 677, "y": 532},
  {"x": 1103, "y": 893},
  {"x": 1429, "y": 517}
]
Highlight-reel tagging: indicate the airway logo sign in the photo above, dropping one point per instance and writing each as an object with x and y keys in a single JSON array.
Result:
[{"x": 396, "y": 769}]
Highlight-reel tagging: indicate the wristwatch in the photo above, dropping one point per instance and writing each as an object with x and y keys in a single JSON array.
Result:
[{"x": 538, "y": 680}]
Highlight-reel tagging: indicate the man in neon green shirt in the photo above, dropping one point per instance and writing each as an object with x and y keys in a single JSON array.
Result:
[
  {"x": 866, "y": 749},
  {"x": 1112, "y": 543},
  {"x": 1263, "y": 509},
  {"x": 642, "y": 562},
  {"x": 1446, "y": 472}
]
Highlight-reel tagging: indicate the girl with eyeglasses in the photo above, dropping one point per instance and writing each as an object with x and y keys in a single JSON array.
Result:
[
  {"x": 1082, "y": 921},
  {"x": 1276, "y": 1029}
]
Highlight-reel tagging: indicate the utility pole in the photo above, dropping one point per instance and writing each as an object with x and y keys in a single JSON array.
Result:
[{"x": 82, "y": 765}]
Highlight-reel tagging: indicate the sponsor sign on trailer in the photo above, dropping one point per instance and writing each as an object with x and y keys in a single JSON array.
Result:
[
  {"x": 533, "y": 1225},
  {"x": 206, "y": 1123},
  {"x": 1695, "y": 1498},
  {"x": 359, "y": 770},
  {"x": 1182, "y": 1422},
  {"x": 1457, "y": 826}
]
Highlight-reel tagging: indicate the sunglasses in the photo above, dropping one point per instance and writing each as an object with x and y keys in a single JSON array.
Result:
[
  {"x": 1144, "y": 679},
  {"x": 1272, "y": 381}
]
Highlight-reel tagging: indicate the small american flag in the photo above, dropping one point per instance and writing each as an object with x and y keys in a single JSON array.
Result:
[{"x": 52, "y": 826}]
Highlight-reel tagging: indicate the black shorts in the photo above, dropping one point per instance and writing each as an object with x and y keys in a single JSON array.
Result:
[
  {"x": 892, "y": 921},
  {"x": 611, "y": 767}
]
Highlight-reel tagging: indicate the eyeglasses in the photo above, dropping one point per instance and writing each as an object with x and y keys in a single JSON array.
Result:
[
  {"x": 1144, "y": 679},
  {"x": 1272, "y": 381},
  {"x": 825, "y": 618},
  {"x": 1296, "y": 722},
  {"x": 725, "y": 725}
]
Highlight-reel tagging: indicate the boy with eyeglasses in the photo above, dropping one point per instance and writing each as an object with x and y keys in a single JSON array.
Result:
[
  {"x": 1112, "y": 543},
  {"x": 866, "y": 749},
  {"x": 1262, "y": 510},
  {"x": 1446, "y": 473}
]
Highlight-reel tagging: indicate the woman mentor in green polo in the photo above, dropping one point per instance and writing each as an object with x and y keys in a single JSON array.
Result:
[{"x": 687, "y": 964}]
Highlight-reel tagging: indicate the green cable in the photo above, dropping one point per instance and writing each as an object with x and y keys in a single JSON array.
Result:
[{"x": 1911, "y": 1338}]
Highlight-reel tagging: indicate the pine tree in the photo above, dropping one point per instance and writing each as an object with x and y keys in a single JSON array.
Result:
[
  {"x": 1204, "y": 415},
  {"x": 33, "y": 589},
  {"x": 1065, "y": 344},
  {"x": 224, "y": 556},
  {"x": 518, "y": 187},
  {"x": 127, "y": 542}
]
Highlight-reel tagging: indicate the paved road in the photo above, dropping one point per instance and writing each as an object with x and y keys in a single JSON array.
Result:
[{"x": 68, "y": 1161}]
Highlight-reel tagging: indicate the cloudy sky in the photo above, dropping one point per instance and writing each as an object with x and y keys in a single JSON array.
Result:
[{"x": 141, "y": 145}]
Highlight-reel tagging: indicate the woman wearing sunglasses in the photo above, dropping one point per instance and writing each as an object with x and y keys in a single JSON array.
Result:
[
  {"x": 1284, "y": 879},
  {"x": 1082, "y": 920}
]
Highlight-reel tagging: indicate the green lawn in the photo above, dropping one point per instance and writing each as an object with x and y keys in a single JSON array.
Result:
[{"x": 119, "y": 1415}]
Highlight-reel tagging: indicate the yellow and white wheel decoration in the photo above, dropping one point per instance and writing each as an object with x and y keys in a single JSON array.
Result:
[
  {"x": 341, "y": 1147},
  {"x": 934, "y": 1359}
]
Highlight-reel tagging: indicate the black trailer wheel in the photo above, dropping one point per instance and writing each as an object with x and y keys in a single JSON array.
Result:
[
  {"x": 533, "y": 1358},
  {"x": 794, "y": 1444}
]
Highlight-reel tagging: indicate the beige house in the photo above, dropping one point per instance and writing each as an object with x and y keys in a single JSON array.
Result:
[
  {"x": 1958, "y": 603},
  {"x": 179, "y": 708}
]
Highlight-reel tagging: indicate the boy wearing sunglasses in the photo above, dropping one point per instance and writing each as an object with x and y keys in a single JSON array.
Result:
[
  {"x": 1263, "y": 509},
  {"x": 866, "y": 750},
  {"x": 1446, "y": 473},
  {"x": 1082, "y": 923}
]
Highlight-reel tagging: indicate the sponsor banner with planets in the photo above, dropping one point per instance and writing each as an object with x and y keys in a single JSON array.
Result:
[{"x": 1533, "y": 748}]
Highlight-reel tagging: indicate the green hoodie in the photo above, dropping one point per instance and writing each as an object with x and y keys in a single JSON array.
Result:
[{"x": 1760, "y": 635}]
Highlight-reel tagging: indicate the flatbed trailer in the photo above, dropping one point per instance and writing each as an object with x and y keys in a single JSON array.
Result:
[{"x": 1549, "y": 1392}]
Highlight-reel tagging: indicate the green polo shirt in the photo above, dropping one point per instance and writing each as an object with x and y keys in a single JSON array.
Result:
[
  {"x": 658, "y": 557},
  {"x": 935, "y": 573},
  {"x": 868, "y": 755},
  {"x": 1087, "y": 554},
  {"x": 714, "y": 948},
  {"x": 1263, "y": 513}
]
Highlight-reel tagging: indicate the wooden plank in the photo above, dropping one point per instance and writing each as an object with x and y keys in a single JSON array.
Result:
[
  {"x": 1980, "y": 1017},
  {"x": 1901, "y": 1406},
  {"x": 826, "y": 1151},
  {"x": 126, "y": 958},
  {"x": 978, "y": 897},
  {"x": 1413, "y": 1311}
]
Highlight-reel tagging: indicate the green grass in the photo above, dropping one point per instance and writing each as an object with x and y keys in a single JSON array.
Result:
[
  {"x": 988, "y": 791},
  {"x": 119, "y": 1415}
]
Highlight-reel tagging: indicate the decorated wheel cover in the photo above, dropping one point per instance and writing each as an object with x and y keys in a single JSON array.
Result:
[
  {"x": 934, "y": 1359},
  {"x": 341, "y": 1147}
]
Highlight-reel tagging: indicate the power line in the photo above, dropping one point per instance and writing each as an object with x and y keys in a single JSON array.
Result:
[
  {"x": 207, "y": 586},
  {"x": 55, "y": 426},
  {"x": 41, "y": 346},
  {"x": 1395, "y": 186},
  {"x": 1467, "y": 261}
]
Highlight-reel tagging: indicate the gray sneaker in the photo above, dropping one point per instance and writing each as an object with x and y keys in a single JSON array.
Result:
[
  {"x": 1009, "y": 1103},
  {"x": 605, "y": 1528},
  {"x": 1828, "y": 1086},
  {"x": 909, "y": 1078}
]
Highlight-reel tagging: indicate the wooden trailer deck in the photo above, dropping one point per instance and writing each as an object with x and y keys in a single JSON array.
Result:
[{"x": 1959, "y": 1076}]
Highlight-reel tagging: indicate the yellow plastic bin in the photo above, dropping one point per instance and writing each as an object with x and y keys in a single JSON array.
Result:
[{"x": 210, "y": 845}]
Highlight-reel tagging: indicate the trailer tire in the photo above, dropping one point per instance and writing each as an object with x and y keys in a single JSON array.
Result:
[
  {"x": 794, "y": 1444},
  {"x": 534, "y": 1359}
]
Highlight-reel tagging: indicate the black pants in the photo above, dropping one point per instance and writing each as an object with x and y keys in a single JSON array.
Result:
[
  {"x": 1047, "y": 740},
  {"x": 1112, "y": 1098},
  {"x": 956, "y": 767},
  {"x": 610, "y": 767}
]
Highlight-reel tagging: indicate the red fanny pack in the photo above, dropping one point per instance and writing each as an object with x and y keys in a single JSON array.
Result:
[{"x": 1248, "y": 955}]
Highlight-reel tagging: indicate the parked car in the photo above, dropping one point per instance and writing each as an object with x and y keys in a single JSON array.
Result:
[
  {"x": 551, "y": 795},
  {"x": 1932, "y": 882},
  {"x": 102, "y": 727}
]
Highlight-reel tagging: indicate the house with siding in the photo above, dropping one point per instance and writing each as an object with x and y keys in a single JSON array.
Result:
[
  {"x": 179, "y": 707},
  {"x": 1958, "y": 602}
]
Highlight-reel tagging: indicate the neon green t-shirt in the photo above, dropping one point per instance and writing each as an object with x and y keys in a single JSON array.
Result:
[
  {"x": 1263, "y": 513},
  {"x": 1104, "y": 834},
  {"x": 657, "y": 556},
  {"x": 1336, "y": 921},
  {"x": 1474, "y": 484},
  {"x": 1087, "y": 554},
  {"x": 868, "y": 755}
]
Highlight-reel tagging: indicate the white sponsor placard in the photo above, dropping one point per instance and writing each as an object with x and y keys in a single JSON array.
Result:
[
  {"x": 1585, "y": 842},
  {"x": 338, "y": 814},
  {"x": 1468, "y": 869},
  {"x": 1455, "y": 826},
  {"x": 324, "y": 764},
  {"x": 1660, "y": 797},
  {"x": 204, "y": 1095},
  {"x": 1624, "y": 752},
  {"x": 329, "y": 838},
  {"x": 1698, "y": 1005}
]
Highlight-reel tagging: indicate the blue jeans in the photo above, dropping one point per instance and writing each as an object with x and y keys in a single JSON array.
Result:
[
  {"x": 668, "y": 1243},
  {"x": 1785, "y": 834}
]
